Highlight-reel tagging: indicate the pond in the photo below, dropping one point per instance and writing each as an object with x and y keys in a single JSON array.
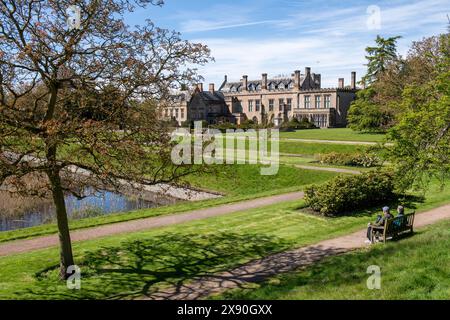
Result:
[{"x": 19, "y": 212}]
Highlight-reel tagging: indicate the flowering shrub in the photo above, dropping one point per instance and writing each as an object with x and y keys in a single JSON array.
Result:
[
  {"x": 346, "y": 193},
  {"x": 348, "y": 159}
]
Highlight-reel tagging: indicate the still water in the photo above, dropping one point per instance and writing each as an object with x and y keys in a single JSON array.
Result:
[{"x": 17, "y": 213}]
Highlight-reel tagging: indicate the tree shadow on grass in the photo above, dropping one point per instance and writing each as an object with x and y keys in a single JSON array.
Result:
[{"x": 139, "y": 268}]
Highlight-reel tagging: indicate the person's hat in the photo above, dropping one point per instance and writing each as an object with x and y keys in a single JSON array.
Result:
[{"x": 385, "y": 209}]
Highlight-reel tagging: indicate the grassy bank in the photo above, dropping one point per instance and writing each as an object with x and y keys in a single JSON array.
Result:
[
  {"x": 312, "y": 161},
  {"x": 413, "y": 268},
  {"x": 128, "y": 266},
  {"x": 237, "y": 182}
]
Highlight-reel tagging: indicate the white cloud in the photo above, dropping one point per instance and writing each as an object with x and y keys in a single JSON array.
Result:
[
  {"x": 331, "y": 42},
  {"x": 206, "y": 25},
  {"x": 329, "y": 55}
]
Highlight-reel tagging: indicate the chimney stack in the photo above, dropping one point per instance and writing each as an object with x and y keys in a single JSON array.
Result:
[
  {"x": 341, "y": 83},
  {"x": 244, "y": 83},
  {"x": 200, "y": 87},
  {"x": 318, "y": 80},
  {"x": 353, "y": 80},
  {"x": 264, "y": 81},
  {"x": 211, "y": 87},
  {"x": 307, "y": 71},
  {"x": 297, "y": 79}
]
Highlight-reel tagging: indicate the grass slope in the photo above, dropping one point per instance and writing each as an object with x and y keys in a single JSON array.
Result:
[
  {"x": 413, "y": 268},
  {"x": 238, "y": 182},
  {"x": 127, "y": 266}
]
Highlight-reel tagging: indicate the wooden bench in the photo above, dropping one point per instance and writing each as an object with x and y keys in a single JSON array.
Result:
[{"x": 394, "y": 227}]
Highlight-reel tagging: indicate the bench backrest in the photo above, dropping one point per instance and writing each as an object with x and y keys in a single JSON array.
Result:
[{"x": 399, "y": 224}]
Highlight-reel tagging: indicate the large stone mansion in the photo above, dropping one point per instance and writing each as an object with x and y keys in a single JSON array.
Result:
[{"x": 268, "y": 100}]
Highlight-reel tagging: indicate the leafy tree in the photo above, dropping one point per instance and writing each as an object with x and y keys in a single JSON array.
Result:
[
  {"x": 54, "y": 80},
  {"x": 367, "y": 112},
  {"x": 422, "y": 137},
  {"x": 248, "y": 124},
  {"x": 367, "y": 116},
  {"x": 379, "y": 57},
  {"x": 379, "y": 106}
]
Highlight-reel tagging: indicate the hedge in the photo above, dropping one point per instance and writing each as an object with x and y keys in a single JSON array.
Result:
[{"x": 344, "y": 194}]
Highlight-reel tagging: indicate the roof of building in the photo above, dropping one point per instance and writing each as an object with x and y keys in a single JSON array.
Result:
[
  {"x": 279, "y": 83},
  {"x": 211, "y": 98}
]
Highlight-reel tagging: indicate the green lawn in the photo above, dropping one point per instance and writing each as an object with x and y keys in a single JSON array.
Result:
[
  {"x": 246, "y": 179},
  {"x": 237, "y": 182},
  {"x": 304, "y": 148},
  {"x": 413, "y": 268},
  {"x": 126, "y": 266},
  {"x": 339, "y": 134}
]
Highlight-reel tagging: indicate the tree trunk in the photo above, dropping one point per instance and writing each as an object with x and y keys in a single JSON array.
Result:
[{"x": 66, "y": 256}]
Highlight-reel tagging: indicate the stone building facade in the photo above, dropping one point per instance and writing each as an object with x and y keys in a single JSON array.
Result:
[
  {"x": 177, "y": 108},
  {"x": 273, "y": 100}
]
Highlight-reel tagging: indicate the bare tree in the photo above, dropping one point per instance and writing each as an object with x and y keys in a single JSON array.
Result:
[{"x": 84, "y": 96}]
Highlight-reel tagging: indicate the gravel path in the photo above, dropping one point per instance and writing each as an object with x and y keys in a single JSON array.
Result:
[
  {"x": 19, "y": 246},
  {"x": 260, "y": 269}
]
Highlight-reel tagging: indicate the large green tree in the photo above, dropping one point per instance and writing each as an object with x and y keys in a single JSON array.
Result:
[
  {"x": 366, "y": 112},
  {"x": 366, "y": 115},
  {"x": 379, "y": 106},
  {"x": 379, "y": 57},
  {"x": 55, "y": 133},
  {"x": 421, "y": 139}
]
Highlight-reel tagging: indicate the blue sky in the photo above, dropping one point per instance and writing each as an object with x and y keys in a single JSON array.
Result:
[{"x": 280, "y": 36}]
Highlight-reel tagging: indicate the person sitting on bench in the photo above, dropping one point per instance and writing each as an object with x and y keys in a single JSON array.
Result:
[
  {"x": 400, "y": 211},
  {"x": 379, "y": 222}
]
